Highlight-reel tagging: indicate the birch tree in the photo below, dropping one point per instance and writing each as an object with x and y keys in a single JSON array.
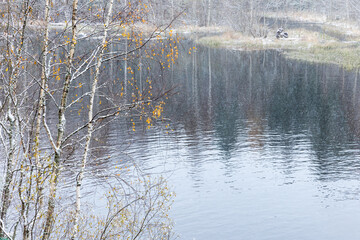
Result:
[
  {"x": 90, "y": 126},
  {"x": 14, "y": 21},
  {"x": 36, "y": 84}
]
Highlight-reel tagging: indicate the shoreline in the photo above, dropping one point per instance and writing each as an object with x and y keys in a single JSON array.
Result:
[{"x": 331, "y": 42}]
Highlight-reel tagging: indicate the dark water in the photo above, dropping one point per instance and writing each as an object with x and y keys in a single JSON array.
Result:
[
  {"x": 257, "y": 147},
  {"x": 262, "y": 148}
]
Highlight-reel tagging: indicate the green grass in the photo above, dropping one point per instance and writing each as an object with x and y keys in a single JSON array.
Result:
[
  {"x": 346, "y": 56},
  {"x": 302, "y": 45},
  {"x": 210, "y": 42}
]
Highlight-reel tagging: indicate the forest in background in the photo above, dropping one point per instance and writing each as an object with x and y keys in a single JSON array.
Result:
[
  {"x": 241, "y": 15},
  {"x": 247, "y": 15}
]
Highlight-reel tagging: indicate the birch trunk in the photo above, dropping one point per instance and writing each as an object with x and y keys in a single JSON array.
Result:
[
  {"x": 9, "y": 169},
  {"x": 90, "y": 125},
  {"x": 125, "y": 63},
  {"x": 42, "y": 83},
  {"x": 49, "y": 220},
  {"x": 125, "y": 69},
  {"x": 39, "y": 115},
  {"x": 9, "y": 173},
  {"x": 40, "y": 110},
  {"x": 13, "y": 75},
  {"x": 208, "y": 15}
]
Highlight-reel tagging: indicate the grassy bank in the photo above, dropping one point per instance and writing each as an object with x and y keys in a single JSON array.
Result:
[
  {"x": 345, "y": 55},
  {"x": 331, "y": 42}
]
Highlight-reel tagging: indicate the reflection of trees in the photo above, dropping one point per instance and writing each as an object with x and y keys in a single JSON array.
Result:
[
  {"x": 316, "y": 100},
  {"x": 262, "y": 92},
  {"x": 226, "y": 129}
]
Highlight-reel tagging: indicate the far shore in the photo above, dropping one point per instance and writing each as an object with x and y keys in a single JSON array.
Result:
[{"x": 334, "y": 42}]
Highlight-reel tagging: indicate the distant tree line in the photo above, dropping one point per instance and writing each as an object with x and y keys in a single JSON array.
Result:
[{"x": 246, "y": 15}]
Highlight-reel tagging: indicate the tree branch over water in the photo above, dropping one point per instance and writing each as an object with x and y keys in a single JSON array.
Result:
[{"x": 53, "y": 74}]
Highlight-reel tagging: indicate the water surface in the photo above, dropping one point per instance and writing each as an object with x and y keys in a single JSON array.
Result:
[{"x": 258, "y": 147}]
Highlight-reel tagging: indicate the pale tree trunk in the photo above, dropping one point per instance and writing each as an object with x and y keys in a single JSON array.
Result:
[
  {"x": 39, "y": 115},
  {"x": 11, "y": 119},
  {"x": 9, "y": 168},
  {"x": 41, "y": 103},
  {"x": 90, "y": 125},
  {"x": 140, "y": 72},
  {"x": 251, "y": 13},
  {"x": 49, "y": 220},
  {"x": 12, "y": 115},
  {"x": 4, "y": 234},
  {"x": 42, "y": 83},
  {"x": 125, "y": 64},
  {"x": 125, "y": 69},
  {"x": 208, "y": 15}
]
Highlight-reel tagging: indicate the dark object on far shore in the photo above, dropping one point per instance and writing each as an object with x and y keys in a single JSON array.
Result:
[{"x": 281, "y": 34}]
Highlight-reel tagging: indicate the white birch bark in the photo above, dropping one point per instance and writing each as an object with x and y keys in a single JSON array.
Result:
[
  {"x": 49, "y": 219},
  {"x": 41, "y": 103},
  {"x": 90, "y": 125},
  {"x": 42, "y": 83},
  {"x": 12, "y": 115}
]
